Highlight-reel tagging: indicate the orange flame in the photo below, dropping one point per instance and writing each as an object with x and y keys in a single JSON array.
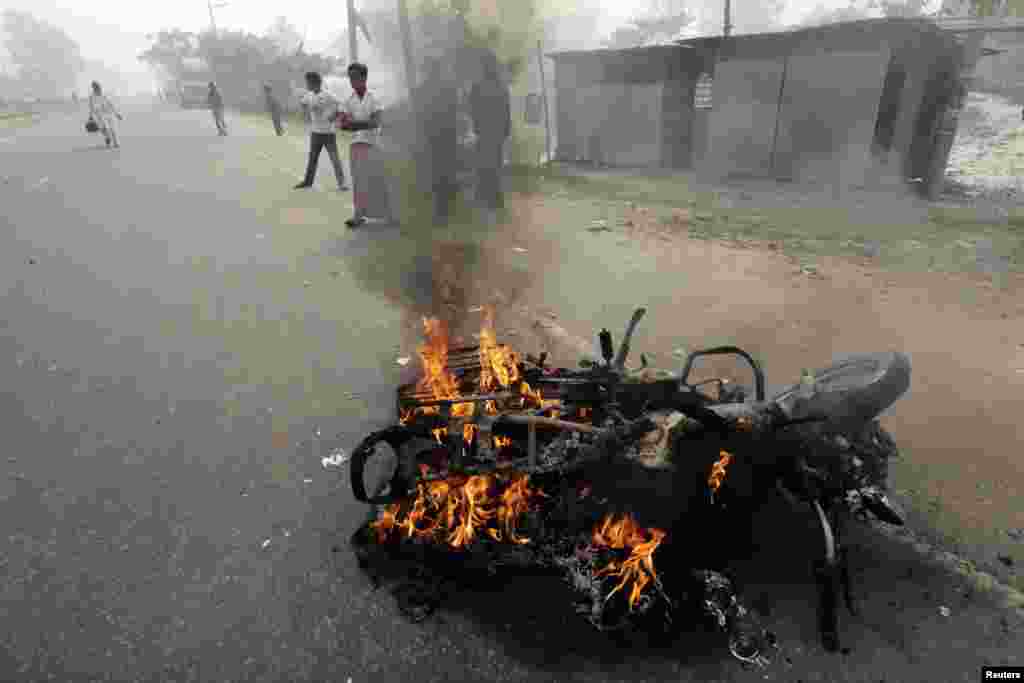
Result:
[
  {"x": 499, "y": 371},
  {"x": 436, "y": 376},
  {"x": 499, "y": 365},
  {"x": 457, "y": 510},
  {"x": 621, "y": 532},
  {"x": 718, "y": 471}
]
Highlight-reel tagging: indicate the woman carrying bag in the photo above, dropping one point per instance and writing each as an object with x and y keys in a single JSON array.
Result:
[{"x": 102, "y": 114}]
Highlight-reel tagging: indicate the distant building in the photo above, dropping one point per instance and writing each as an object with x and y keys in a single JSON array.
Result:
[{"x": 843, "y": 103}]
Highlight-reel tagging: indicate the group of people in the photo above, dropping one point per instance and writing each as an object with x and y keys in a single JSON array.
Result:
[{"x": 360, "y": 114}]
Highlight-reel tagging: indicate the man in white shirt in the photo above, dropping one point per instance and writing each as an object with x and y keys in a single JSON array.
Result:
[
  {"x": 321, "y": 110},
  {"x": 361, "y": 115}
]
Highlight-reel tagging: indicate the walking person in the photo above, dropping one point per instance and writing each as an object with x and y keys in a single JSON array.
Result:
[
  {"x": 274, "y": 108},
  {"x": 439, "y": 136},
  {"x": 216, "y": 102},
  {"x": 361, "y": 114},
  {"x": 103, "y": 112},
  {"x": 321, "y": 110},
  {"x": 490, "y": 107}
]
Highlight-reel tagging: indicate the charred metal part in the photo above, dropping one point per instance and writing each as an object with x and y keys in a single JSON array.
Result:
[
  {"x": 721, "y": 603},
  {"x": 608, "y": 444},
  {"x": 826, "y": 530},
  {"x": 607, "y": 346},
  {"x": 759, "y": 394},
  {"x": 619, "y": 364},
  {"x": 552, "y": 422},
  {"x": 475, "y": 398},
  {"x": 531, "y": 444},
  {"x": 872, "y": 500},
  {"x": 396, "y": 438},
  {"x": 832, "y": 575}
]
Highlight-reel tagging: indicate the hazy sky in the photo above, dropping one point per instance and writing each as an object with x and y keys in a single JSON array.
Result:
[{"x": 114, "y": 31}]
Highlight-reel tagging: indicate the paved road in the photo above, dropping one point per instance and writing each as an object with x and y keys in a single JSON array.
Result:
[
  {"x": 163, "y": 514},
  {"x": 163, "y": 511},
  {"x": 139, "y": 493}
]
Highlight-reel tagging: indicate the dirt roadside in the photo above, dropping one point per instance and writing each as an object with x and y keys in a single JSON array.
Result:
[{"x": 960, "y": 474}]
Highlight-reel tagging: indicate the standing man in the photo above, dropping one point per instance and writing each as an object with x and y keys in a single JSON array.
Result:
[
  {"x": 216, "y": 103},
  {"x": 274, "y": 107},
  {"x": 361, "y": 115},
  {"x": 320, "y": 109},
  {"x": 491, "y": 111},
  {"x": 439, "y": 137}
]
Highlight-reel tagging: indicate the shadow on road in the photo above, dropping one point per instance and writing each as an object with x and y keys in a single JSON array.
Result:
[{"x": 905, "y": 602}]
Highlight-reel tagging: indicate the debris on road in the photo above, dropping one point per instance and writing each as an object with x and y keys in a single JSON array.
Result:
[
  {"x": 944, "y": 611},
  {"x": 337, "y": 458},
  {"x": 266, "y": 544},
  {"x": 519, "y": 250},
  {"x": 403, "y": 361}
]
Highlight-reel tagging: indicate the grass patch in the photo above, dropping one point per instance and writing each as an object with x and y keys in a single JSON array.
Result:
[
  {"x": 14, "y": 120},
  {"x": 942, "y": 241},
  {"x": 294, "y": 124}
]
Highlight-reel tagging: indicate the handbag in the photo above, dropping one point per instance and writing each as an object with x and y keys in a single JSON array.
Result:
[{"x": 91, "y": 126}]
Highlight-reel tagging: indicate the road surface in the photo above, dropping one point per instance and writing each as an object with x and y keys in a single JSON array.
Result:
[{"x": 164, "y": 513}]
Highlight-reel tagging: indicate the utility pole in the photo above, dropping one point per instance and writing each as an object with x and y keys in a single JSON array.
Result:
[
  {"x": 211, "y": 6},
  {"x": 410, "y": 63},
  {"x": 353, "y": 41},
  {"x": 544, "y": 98},
  {"x": 727, "y": 24}
]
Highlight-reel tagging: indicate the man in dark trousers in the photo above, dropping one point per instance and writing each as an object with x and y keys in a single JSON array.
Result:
[
  {"x": 321, "y": 110},
  {"x": 273, "y": 108},
  {"x": 216, "y": 102},
  {"x": 490, "y": 108},
  {"x": 439, "y": 101}
]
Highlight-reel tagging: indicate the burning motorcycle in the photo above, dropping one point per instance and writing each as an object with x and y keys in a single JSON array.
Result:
[{"x": 613, "y": 476}]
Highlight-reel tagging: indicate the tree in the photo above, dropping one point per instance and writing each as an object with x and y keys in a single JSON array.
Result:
[
  {"x": 170, "y": 52},
  {"x": 757, "y": 16},
  {"x": 994, "y": 8},
  {"x": 46, "y": 60},
  {"x": 660, "y": 21},
  {"x": 284, "y": 35},
  {"x": 822, "y": 15},
  {"x": 238, "y": 61},
  {"x": 907, "y": 8}
]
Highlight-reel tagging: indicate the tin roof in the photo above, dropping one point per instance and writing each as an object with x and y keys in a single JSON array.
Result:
[{"x": 913, "y": 23}]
